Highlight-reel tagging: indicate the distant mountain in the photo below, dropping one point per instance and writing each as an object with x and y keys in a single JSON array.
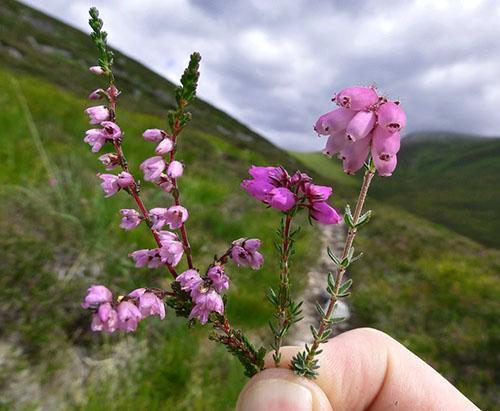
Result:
[{"x": 451, "y": 179}]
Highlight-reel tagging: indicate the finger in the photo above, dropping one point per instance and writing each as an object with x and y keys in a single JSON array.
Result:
[
  {"x": 278, "y": 389},
  {"x": 365, "y": 369}
]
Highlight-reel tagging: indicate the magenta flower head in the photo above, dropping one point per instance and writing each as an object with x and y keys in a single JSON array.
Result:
[
  {"x": 171, "y": 250},
  {"x": 354, "y": 154},
  {"x": 112, "y": 131},
  {"x": 175, "y": 169},
  {"x": 316, "y": 193},
  {"x": 258, "y": 189},
  {"x": 189, "y": 280},
  {"x": 357, "y": 98},
  {"x": 109, "y": 184},
  {"x": 105, "y": 319},
  {"x": 154, "y": 134},
  {"x": 335, "y": 144},
  {"x": 176, "y": 216},
  {"x": 95, "y": 138},
  {"x": 96, "y": 295},
  {"x": 244, "y": 253},
  {"x": 324, "y": 213},
  {"x": 153, "y": 167},
  {"x": 109, "y": 160},
  {"x": 282, "y": 199},
  {"x": 96, "y": 70},
  {"x": 128, "y": 316},
  {"x": 360, "y": 125},
  {"x": 205, "y": 303},
  {"x": 391, "y": 116},
  {"x": 131, "y": 218},
  {"x": 165, "y": 146},
  {"x": 334, "y": 122},
  {"x": 97, "y": 114},
  {"x": 220, "y": 281}
]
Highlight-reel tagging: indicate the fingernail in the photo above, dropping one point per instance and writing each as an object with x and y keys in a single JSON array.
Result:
[{"x": 276, "y": 394}]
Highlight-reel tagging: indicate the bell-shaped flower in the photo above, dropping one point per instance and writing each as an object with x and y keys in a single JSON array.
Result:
[
  {"x": 391, "y": 116},
  {"x": 360, "y": 125},
  {"x": 357, "y": 98}
]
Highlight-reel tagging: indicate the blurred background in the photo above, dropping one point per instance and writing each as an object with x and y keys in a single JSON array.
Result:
[{"x": 429, "y": 276}]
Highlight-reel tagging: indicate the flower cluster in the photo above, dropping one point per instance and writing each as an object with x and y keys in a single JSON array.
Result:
[
  {"x": 364, "y": 122},
  {"x": 126, "y": 313},
  {"x": 276, "y": 188}
]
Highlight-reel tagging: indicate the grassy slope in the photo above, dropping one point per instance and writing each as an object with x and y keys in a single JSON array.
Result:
[{"x": 430, "y": 288}]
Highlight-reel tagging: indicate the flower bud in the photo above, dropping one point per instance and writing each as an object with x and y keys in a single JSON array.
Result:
[
  {"x": 154, "y": 134},
  {"x": 125, "y": 179},
  {"x": 175, "y": 169},
  {"x": 96, "y": 70},
  {"x": 97, "y": 94},
  {"x": 165, "y": 146},
  {"x": 152, "y": 168}
]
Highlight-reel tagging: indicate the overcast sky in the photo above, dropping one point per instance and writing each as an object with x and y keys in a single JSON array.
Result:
[{"x": 275, "y": 64}]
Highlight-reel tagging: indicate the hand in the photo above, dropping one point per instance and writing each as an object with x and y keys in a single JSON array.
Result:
[{"x": 362, "y": 369}]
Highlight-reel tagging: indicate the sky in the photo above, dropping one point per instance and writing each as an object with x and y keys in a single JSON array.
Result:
[{"x": 274, "y": 65}]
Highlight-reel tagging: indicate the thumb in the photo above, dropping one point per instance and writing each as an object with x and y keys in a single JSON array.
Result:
[{"x": 278, "y": 389}]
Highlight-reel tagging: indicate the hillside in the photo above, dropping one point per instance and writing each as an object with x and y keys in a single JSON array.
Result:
[{"x": 434, "y": 290}]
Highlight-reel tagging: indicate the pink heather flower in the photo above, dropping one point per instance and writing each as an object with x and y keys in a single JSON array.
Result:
[
  {"x": 189, "y": 280},
  {"x": 165, "y": 183},
  {"x": 125, "y": 179},
  {"x": 258, "y": 189},
  {"x": 96, "y": 70},
  {"x": 154, "y": 134},
  {"x": 112, "y": 131},
  {"x": 324, "y": 214},
  {"x": 109, "y": 160},
  {"x": 155, "y": 258},
  {"x": 167, "y": 236},
  {"x": 95, "y": 138},
  {"x": 354, "y": 154},
  {"x": 360, "y": 125},
  {"x": 165, "y": 146},
  {"x": 105, "y": 319},
  {"x": 251, "y": 244},
  {"x": 384, "y": 143},
  {"x": 385, "y": 167},
  {"x": 140, "y": 257},
  {"x": 277, "y": 176},
  {"x": 148, "y": 303},
  {"x": 97, "y": 94},
  {"x": 282, "y": 199},
  {"x": 205, "y": 303},
  {"x": 158, "y": 217},
  {"x": 131, "y": 218},
  {"x": 97, "y": 114},
  {"x": 171, "y": 250},
  {"x": 220, "y": 281},
  {"x": 300, "y": 178},
  {"x": 128, "y": 316},
  {"x": 334, "y": 122},
  {"x": 335, "y": 143},
  {"x": 96, "y": 295},
  {"x": 244, "y": 257},
  {"x": 176, "y": 216},
  {"x": 315, "y": 193},
  {"x": 153, "y": 167},
  {"x": 109, "y": 184},
  {"x": 357, "y": 98},
  {"x": 391, "y": 116},
  {"x": 175, "y": 169}
]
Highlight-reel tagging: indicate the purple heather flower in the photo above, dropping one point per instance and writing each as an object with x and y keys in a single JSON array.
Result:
[
  {"x": 357, "y": 98},
  {"x": 277, "y": 176},
  {"x": 354, "y": 154},
  {"x": 155, "y": 260},
  {"x": 205, "y": 303},
  {"x": 153, "y": 167},
  {"x": 244, "y": 253},
  {"x": 96, "y": 138},
  {"x": 97, "y": 94},
  {"x": 385, "y": 167},
  {"x": 335, "y": 144},
  {"x": 140, "y": 257},
  {"x": 176, "y": 216},
  {"x": 109, "y": 184},
  {"x": 189, "y": 280},
  {"x": 148, "y": 303},
  {"x": 131, "y": 218},
  {"x": 128, "y": 316},
  {"x": 316, "y": 193},
  {"x": 158, "y": 217},
  {"x": 109, "y": 160},
  {"x": 165, "y": 146},
  {"x": 154, "y": 134},
  {"x": 165, "y": 183},
  {"x": 391, "y": 116},
  {"x": 171, "y": 250},
  {"x": 220, "y": 281},
  {"x": 282, "y": 199},
  {"x": 96, "y": 295},
  {"x": 125, "y": 179},
  {"x": 175, "y": 169},
  {"x": 385, "y": 144},
  {"x": 324, "y": 213},
  {"x": 251, "y": 244},
  {"x": 96, "y": 70},
  {"x": 105, "y": 319},
  {"x": 111, "y": 130},
  {"x": 334, "y": 121},
  {"x": 97, "y": 114},
  {"x": 258, "y": 189},
  {"x": 360, "y": 125}
]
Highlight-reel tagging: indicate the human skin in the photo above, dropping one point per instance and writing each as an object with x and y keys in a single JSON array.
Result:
[{"x": 362, "y": 369}]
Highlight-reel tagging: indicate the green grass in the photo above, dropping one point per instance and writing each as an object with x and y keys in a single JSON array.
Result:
[{"x": 434, "y": 290}]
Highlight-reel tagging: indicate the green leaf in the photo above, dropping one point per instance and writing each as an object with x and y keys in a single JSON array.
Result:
[
  {"x": 364, "y": 219},
  {"x": 345, "y": 286},
  {"x": 332, "y": 256}
]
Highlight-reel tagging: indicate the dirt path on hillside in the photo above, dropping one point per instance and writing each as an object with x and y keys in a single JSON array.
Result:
[{"x": 315, "y": 290}]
